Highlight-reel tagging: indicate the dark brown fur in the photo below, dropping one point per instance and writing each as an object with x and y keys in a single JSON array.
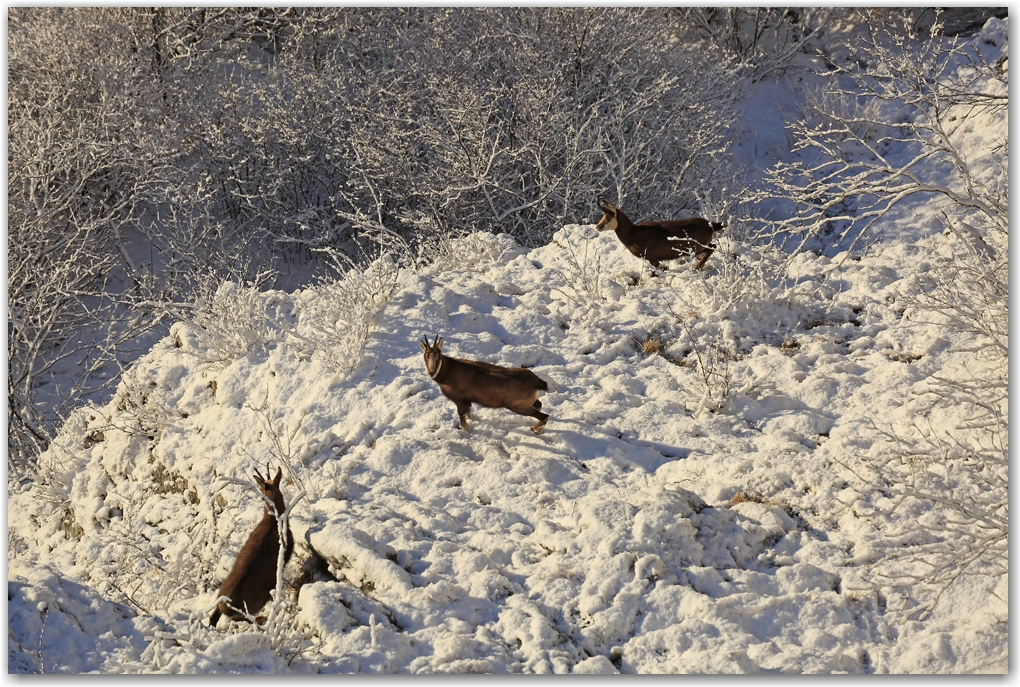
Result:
[
  {"x": 254, "y": 573},
  {"x": 658, "y": 241},
  {"x": 471, "y": 381}
]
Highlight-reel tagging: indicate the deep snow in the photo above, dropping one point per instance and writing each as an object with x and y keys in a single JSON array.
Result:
[{"x": 644, "y": 530}]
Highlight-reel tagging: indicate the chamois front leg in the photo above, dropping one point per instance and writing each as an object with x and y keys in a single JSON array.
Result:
[
  {"x": 657, "y": 268},
  {"x": 704, "y": 257},
  {"x": 463, "y": 410}
]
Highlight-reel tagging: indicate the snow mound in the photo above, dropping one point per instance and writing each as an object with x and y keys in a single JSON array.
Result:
[{"x": 642, "y": 531}]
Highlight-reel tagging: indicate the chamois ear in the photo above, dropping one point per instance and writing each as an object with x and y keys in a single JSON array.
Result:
[
  {"x": 439, "y": 344},
  {"x": 279, "y": 476},
  {"x": 605, "y": 205},
  {"x": 424, "y": 346}
]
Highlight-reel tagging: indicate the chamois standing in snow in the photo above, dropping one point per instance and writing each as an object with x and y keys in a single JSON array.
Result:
[
  {"x": 254, "y": 573},
  {"x": 657, "y": 241},
  {"x": 470, "y": 381}
]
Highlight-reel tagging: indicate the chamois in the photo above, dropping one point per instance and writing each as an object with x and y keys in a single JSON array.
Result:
[
  {"x": 254, "y": 572},
  {"x": 657, "y": 241},
  {"x": 470, "y": 381}
]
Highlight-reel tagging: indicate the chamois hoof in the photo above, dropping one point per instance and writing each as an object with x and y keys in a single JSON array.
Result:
[{"x": 538, "y": 428}]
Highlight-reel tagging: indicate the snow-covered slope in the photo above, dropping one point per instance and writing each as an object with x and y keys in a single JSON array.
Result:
[
  {"x": 631, "y": 535},
  {"x": 699, "y": 501}
]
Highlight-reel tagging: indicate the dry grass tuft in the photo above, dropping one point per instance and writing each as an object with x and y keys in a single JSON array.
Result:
[
  {"x": 649, "y": 344},
  {"x": 745, "y": 496},
  {"x": 904, "y": 357},
  {"x": 790, "y": 346}
]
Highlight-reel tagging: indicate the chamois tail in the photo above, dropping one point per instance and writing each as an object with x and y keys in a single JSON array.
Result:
[
  {"x": 542, "y": 385},
  {"x": 717, "y": 226}
]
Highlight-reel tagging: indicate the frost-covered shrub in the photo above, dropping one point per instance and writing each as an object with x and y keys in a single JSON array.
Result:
[
  {"x": 738, "y": 275},
  {"x": 83, "y": 167},
  {"x": 229, "y": 323},
  {"x": 954, "y": 481},
  {"x": 584, "y": 272},
  {"x": 848, "y": 118},
  {"x": 335, "y": 317},
  {"x": 712, "y": 362},
  {"x": 476, "y": 251},
  {"x": 952, "y": 465},
  {"x": 536, "y": 119},
  {"x": 913, "y": 137},
  {"x": 758, "y": 40}
]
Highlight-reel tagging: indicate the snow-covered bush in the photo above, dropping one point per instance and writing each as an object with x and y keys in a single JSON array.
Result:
[
  {"x": 80, "y": 172},
  {"x": 584, "y": 275},
  {"x": 520, "y": 118},
  {"x": 228, "y": 323},
  {"x": 516, "y": 120},
  {"x": 335, "y": 317},
  {"x": 758, "y": 40},
  {"x": 714, "y": 364},
  {"x": 954, "y": 481},
  {"x": 954, "y": 462},
  {"x": 476, "y": 251}
]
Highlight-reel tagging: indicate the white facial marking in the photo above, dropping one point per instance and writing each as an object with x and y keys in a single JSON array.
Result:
[{"x": 607, "y": 225}]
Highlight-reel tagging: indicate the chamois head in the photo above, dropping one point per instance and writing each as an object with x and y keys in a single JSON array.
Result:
[
  {"x": 271, "y": 487},
  {"x": 609, "y": 212},
  {"x": 433, "y": 355}
]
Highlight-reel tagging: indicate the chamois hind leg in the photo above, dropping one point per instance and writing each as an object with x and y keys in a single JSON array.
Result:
[{"x": 522, "y": 407}]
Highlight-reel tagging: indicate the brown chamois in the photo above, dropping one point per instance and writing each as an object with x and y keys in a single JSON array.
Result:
[
  {"x": 470, "y": 381},
  {"x": 657, "y": 241},
  {"x": 254, "y": 573}
]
